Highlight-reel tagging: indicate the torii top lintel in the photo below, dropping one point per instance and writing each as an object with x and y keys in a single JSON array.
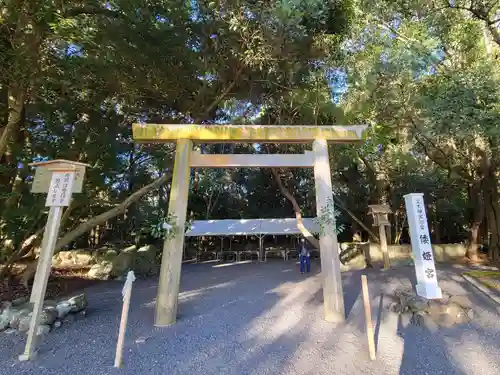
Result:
[{"x": 159, "y": 133}]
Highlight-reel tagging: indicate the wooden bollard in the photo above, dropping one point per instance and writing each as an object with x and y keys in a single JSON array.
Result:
[
  {"x": 127, "y": 293},
  {"x": 368, "y": 317}
]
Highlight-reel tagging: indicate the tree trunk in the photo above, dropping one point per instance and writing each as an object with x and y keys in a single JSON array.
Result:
[
  {"x": 16, "y": 100},
  {"x": 212, "y": 203},
  {"x": 472, "y": 247},
  {"x": 379, "y": 180},
  {"x": 378, "y": 191},
  {"x": 296, "y": 208},
  {"x": 130, "y": 212},
  {"x": 493, "y": 210},
  {"x": 437, "y": 232},
  {"x": 372, "y": 235},
  {"x": 477, "y": 203},
  {"x": 492, "y": 207}
]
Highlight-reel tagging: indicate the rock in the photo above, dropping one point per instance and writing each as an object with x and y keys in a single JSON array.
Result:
[
  {"x": 57, "y": 324},
  {"x": 10, "y": 331},
  {"x": 5, "y": 305},
  {"x": 123, "y": 263},
  {"x": 78, "y": 303},
  {"x": 24, "y": 323},
  {"x": 145, "y": 262},
  {"x": 113, "y": 264},
  {"x": 43, "y": 329},
  {"x": 461, "y": 301},
  {"x": 4, "y": 324},
  {"x": 63, "y": 308},
  {"x": 20, "y": 319},
  {"x": 142, "y": 261},
  {"x": 101, "y": 271},
  {"x": 20, "y": 301},
  {"x": 470, "y": 314},
  {"x": 417, "y": 304},
  {"x": 74, "y": 258},
  {"x": 5, "y": 316},
  {"x": 106, "y": 255},
  {"x": 448, "y": 311},
  {"x": 50, "y": 303},
  {"x": 48, "y": 316},
  {"x": 404, "y": 293},
  {"x": 407, "y": 301},
  {"x": 454, "y": 314},
  {"x": 16, "y": 316},
  {"x": 26, "y": 306},
  {"x": 445, "y": 297}
]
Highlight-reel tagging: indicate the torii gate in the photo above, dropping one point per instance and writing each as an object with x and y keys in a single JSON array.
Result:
[{"x": 186, "y": 158}]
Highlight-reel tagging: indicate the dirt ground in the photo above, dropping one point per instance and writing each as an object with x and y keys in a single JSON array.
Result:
[
  {"x": 61, "y": 283},
  {"x": 266, "y": 318},
  {"x": 67, "y": 281}
]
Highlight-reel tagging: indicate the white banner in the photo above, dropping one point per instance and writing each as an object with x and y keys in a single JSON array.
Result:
[{"x": 425, "y": 268}]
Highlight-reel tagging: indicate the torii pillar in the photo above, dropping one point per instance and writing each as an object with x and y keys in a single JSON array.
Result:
[
  {"x": 333, "y": 295},
  {"x": 170, "y": 275}
]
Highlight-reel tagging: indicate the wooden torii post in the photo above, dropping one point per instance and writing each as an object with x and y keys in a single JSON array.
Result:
[{"x": 186, "y": 158}]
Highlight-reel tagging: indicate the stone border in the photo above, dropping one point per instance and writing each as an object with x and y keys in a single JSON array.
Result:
[{"x": 482, "y": 288}]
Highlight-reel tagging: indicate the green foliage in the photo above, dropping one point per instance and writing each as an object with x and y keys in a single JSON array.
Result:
[
  {"x": 166, "y": 228},
  {"x": 327, "y": 218},
  {"x": 419, "y": 72}
]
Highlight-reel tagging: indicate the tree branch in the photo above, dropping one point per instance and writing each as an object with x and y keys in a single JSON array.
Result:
[
  {"x": 356, "y": 219},
  {"x": 224, "y": 93},
  {"x": 443, "y": 161},
  {"x": 296, "y": 208},
  {"x": 91, "y": 10},
  {"x": 482, "y": 15},
  {"x": 119, "y": 209}
]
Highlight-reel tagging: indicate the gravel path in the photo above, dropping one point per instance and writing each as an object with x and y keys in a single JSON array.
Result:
[{"x": 263, "y": 319}]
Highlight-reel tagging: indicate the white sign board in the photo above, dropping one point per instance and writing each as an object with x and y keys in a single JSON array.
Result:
[
  {"x": 43, "y": 177},
  {"x": 61, "y": 185},
  {"x": 425, "y": 268}
]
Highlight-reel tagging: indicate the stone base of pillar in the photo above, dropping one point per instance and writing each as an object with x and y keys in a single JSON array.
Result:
[{"x": 429, "y": 291}]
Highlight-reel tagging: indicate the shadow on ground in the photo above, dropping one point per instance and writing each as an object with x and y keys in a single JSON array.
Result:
[{"x": 261, "y": 318}]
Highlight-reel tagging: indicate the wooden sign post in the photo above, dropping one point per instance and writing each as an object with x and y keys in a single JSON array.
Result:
[
  {"x": 57, "y": 179},
  {"x": 380, "y": 214},
  {"x": 127, "y": 293}
]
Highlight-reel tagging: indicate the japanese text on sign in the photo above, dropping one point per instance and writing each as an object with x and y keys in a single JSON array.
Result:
[
  {"x": 421, "y": 240},
  {"x": 430, "y": 273},
  {"x": 420, "y": 213},
  {"x": 425, "y": 269},
  {"x": 60, "y": 189}
]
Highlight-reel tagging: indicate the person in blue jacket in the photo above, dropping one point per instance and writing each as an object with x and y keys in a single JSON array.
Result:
[{"x": 304, "y": 256}]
